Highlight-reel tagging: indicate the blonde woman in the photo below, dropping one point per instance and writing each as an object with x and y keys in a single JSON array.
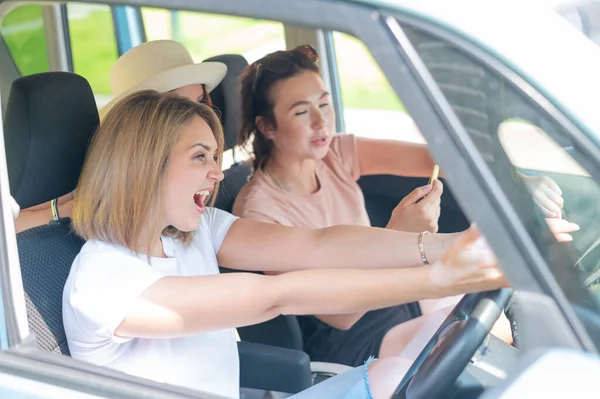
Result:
[
  {"x": 162, "y": 65},
  {"x": 144, "y": 295}
]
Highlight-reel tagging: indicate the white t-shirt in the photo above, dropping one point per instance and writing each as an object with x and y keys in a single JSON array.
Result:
[{"x": 104, "y": 282}]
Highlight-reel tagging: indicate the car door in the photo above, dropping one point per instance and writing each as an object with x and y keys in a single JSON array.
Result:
[{"x": 500, "y": 128}]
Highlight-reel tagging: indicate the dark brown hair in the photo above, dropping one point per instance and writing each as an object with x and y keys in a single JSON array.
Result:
[
  {"x": 257, "y": 80},
  {"x": 206, "y": 98}
]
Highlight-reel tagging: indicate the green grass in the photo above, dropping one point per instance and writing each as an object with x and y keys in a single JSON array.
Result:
[
  {"x": 206, "y": 35},
  {"x": 94, "y": 47},
  {"x": 363, "y": 84},
  {"x": 372, "y": 97},
  {"x": 23, "y": 32},
  {"x": 92, "y": 42}
]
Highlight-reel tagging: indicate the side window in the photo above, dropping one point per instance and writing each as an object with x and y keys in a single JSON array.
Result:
[
  {"x": 524, "y": 146},
  {"x": 207, "y": 35},
  {"x": 23, "y": 32},
  {"x": 370, "y": 104},
  {"x": 92, "y": 39},
  {"x": 93, "y": 46}
]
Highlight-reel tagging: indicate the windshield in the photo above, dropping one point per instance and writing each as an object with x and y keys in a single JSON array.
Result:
[
  {"x": 585, "y": 15},
  {"x": 528, "y": 151}
]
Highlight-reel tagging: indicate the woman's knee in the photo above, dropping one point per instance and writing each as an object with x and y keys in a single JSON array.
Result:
[
  {"x": 384, "y": 375},
  {"x": 407, "y": 339},
  {"x": 432, "y": 305}
]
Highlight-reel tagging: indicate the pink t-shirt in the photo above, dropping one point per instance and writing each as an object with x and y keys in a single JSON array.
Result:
[{"x": 338, "y": 201}]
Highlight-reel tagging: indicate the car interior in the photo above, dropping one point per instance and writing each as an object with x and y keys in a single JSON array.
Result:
[
  {"x": 50, "y": 117},
  {"x": 47, "y": 131}
]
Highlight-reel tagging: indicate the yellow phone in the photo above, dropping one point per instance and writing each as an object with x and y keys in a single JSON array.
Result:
[{"x": 434, "y": 174}]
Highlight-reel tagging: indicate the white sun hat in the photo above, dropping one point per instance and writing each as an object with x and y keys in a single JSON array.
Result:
[{"x": 161, "y": 65}]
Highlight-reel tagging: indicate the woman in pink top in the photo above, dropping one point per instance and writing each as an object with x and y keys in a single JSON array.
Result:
[{"x": 305, "y": 176}]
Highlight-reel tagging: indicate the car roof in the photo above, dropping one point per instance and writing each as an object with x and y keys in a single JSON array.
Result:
[{"x": 531, "y": 38}]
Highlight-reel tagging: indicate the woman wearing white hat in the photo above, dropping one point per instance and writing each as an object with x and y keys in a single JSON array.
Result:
[
  {"x": 161, "y": 65},
  {"x": 164, "y": 66}
]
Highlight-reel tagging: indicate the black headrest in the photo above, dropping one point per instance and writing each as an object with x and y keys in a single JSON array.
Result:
[
  {"x": 48, "y": 123},
  {"x": 227, "y": 96}
]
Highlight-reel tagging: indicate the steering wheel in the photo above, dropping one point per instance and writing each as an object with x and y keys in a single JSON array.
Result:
[
  {"x": 453, "y": 345},
  {"x": 589, "y": 262}
]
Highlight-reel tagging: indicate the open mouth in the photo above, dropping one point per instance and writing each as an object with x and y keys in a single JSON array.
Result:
[{"x": 200, "y": 198}]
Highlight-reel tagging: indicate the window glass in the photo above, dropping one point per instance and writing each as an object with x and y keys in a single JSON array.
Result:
[
  {"x": 585, "y": 16},
  {"x": 370, "y": 104},
  {"x": 23, "y": 32},
  {"x": 93, "y": 45},
  {"x": 207, "y": 35},
  {"x": 520, "y": 142}
]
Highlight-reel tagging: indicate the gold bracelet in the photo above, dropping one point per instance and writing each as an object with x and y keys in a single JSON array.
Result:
[
  {"x": 54, "y": 209},
  {"x": 422, "y": 248}
]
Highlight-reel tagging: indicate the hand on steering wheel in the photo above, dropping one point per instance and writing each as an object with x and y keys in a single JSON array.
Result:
[
  {"x": 561, "y": 229},
  {"x": 468, "y": 266}
]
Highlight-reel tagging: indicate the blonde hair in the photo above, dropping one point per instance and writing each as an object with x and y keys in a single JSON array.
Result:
[{"x": 124, "y": 170}]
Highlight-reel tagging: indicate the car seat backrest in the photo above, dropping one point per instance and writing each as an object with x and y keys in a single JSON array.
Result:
[
  {"x": 226, "y": 98},
  {"x": 48, "y": 124}
]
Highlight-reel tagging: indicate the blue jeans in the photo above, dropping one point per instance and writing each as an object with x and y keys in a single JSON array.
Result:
[{"x": 353, "y": 384}]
